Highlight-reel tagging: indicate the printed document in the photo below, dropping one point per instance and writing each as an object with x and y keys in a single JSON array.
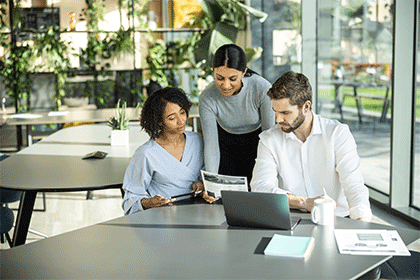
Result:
[
  {"x": 214, "y": 183},
  {"x": 370, "y": 242}
]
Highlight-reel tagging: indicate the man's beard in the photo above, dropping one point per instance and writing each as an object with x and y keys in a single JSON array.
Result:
[{"x": 295, "y": 125}]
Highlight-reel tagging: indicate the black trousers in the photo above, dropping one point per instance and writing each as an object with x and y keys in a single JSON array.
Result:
[{"x": 238, "y": 152}]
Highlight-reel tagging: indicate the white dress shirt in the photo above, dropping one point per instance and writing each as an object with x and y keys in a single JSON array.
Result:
[{"x": 327, "y": 159}]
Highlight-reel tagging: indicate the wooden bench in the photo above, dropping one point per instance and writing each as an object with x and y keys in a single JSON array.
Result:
[{"x": 359, "y": 96}]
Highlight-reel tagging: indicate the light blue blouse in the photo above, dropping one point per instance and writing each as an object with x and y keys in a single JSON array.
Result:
[{"x": 152, "y": 170}]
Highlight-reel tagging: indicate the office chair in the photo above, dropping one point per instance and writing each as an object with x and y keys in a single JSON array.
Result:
[
  {"x": 7, "y": 216},
  {"x": 6, "y": 224}
]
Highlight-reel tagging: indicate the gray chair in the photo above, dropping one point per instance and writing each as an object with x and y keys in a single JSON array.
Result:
[
  {"x": 7, "y": 216},
  {"x": 6, "y": 224}
]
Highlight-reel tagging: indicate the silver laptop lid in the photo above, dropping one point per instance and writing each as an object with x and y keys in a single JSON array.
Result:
[{"x": 260, "y": 210}]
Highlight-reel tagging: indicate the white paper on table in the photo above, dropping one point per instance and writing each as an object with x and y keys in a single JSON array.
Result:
[
  {"x": 25, "y": 116},
  {"x": 57, "y": 113},
  {"x": 370, "y": 242},
  {"x": 215, "y": 183}
]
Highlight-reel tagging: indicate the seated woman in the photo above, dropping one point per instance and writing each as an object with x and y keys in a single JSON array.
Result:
[{"x": 169, "y": 163}]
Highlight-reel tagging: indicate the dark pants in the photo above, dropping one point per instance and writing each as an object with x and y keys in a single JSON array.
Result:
[{"x": 238, "y": 153}]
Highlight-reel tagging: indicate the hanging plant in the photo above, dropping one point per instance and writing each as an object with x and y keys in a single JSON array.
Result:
[
  {"x": 17, "y": 64},
  {"x": 55, "y": 54},
  {"x": 157, "y": 61},
  {"x": 17, "y": 67},
  {"x": 115, "y": 44}
]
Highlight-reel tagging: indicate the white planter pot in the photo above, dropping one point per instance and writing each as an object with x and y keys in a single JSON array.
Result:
[{"x": 119, "y": 137}]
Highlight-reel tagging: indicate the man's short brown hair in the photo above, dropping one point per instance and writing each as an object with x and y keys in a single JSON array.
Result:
[{"x": 294, "y": 86}]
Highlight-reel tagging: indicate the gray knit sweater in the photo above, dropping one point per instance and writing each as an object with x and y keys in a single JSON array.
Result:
[{"x": 239, "y": 114}]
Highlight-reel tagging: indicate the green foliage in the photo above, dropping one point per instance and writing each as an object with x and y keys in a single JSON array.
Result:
[
  {"x": 55, "y": 54},
  {"x": 226, "y": 18},
  {"x": 157, "y": 61},
  {"x": 115, "y": 44},
  {"x": 18, "y": 63},
  {"x": 120, "y": 120}
]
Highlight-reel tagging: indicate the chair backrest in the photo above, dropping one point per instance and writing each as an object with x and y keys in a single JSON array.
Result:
[
  {"x": 9, "y": 196},
  {"x": 6, "y": 218}
]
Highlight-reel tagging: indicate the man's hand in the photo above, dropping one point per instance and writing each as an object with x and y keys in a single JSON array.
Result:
[
  {"x": 305, "y": 203},
  {"x": 155, "y": 201},
  {"x": 365, "y": 219}
]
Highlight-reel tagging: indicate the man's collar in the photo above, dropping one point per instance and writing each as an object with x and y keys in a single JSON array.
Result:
[{"x": 316, "y": 128}]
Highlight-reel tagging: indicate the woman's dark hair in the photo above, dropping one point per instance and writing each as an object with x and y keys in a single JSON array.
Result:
[
  {"x": 231, "y": 56},
  {"x": 292, "y": 85},
  {"x": 151, "y": 119}
]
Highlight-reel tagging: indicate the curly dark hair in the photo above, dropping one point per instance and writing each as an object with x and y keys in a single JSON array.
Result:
[
  {"x": 292, "y": 85},
  {"x": 151, "y": 118}
]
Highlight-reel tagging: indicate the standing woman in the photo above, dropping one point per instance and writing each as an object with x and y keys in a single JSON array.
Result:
[
  {"x": 234, "y": 110},
  {"x": 169, "y": 163}
]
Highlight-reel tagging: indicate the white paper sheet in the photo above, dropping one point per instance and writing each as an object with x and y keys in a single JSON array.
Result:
[
  {"x": 215, "y": 183},
  {"x": 370, "y": 242},
  {"x": 25, "y": 116},
  {"x": 57, "y": 113}
]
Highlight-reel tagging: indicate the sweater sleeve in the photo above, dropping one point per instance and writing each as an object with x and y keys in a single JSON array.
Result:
[
  {"x": 266, "y": 109},
  {"x": 210, "y": 134}
]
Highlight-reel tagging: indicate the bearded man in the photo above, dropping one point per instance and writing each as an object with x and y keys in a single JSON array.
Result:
[{"x": 305, "y": 155}]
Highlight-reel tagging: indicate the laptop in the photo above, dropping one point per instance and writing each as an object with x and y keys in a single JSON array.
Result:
[{"x": 258, "y": 210}]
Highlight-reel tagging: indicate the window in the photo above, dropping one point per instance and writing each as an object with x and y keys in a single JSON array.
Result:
[
  {"x": 354, "y": 78},
  {"x": 416, "y": 150}
]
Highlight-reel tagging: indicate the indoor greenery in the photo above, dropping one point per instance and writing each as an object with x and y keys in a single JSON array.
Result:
[
  {"x": 226, "y": 19},
  {"x": 54, "y": 53},
  {"x": 120, "y": 120},
  {"x": 17, "y": 64},
  {"x": 107, "y": 45}
]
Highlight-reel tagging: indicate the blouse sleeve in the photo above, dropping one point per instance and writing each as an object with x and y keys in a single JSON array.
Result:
[{"x": 136, "y": 182}]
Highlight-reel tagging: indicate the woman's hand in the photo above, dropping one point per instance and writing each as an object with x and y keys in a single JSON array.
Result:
[
  {"x": 199, "y": 187},
  {"x": 155, "y": 201}
]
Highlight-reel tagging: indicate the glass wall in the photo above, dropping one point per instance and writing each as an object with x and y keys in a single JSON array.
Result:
[
  {"x": 354, "y": 78},
  {"x": 416, "y": 151},
  {"x": 279, "y": 36}
]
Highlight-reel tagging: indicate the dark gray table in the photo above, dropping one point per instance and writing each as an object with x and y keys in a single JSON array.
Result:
[
  {"x": 186, "y": 241},
  {"x": 52, "y": 173}
]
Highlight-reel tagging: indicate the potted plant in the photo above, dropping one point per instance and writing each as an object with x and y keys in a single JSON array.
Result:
[{"x": 119, "y": 125}]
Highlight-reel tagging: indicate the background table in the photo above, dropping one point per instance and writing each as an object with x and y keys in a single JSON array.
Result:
[
  {"x": 60, "y": 117},
  {"x": 187, "y": 241},
  {"x": 55, "y": 164}
]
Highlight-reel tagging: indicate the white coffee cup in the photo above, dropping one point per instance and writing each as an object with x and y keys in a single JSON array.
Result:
[{"x": 323, "y": 211}]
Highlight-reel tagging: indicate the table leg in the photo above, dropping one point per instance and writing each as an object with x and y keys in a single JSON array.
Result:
[
  {"x": 385, "y": 106},
  {"x": 29, "y": 134},
  {"x": 19, "y": 137},
  {"x": 358, "y": 104},
  {"x": 337, "y": 99},
  {"x": 26, "y": 207}
]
